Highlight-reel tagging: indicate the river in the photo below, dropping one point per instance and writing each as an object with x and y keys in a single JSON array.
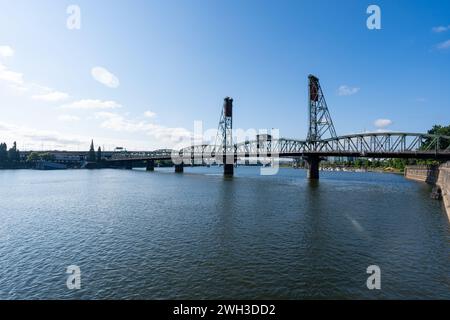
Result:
[{"x": 198, "y": 235}]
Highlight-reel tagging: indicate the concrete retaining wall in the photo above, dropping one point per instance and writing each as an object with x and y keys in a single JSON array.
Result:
[
  {"x": 434, "y": 175},
  {"x": 444, "y": 183}
]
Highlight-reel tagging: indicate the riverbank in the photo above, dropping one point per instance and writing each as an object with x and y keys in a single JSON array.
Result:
[
  {"x": 434, "y": 175},
  {"x": 353, "y": 169}
]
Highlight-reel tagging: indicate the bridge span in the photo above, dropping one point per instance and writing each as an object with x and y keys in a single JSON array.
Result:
[{"x": 321, "y": 142}]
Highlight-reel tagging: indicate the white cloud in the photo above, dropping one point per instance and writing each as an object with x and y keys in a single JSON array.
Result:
[
  {"x": 444, "y": 45},
  {"x": 68, "y": 118},
  {"x": 105, "y": 77},
  {"x": 142, "y": 133},
  {"x": 149, "y": 114},
  {"x": 6, "y": 51},
  {"x": 52, "y": 96},
  {"x": 382, "y": 123},
  {"x": 11, "y": 77},
  {"x": 383, "y": 130},
  {"x": 15, "y": 83},
  {"x": 90, "y": 104},
  {"x": 34, "y": 139},
  {"x": 440, "y": 29},
  {"x": 347, "y": 91},
  {"x": 165, "y": 135}
]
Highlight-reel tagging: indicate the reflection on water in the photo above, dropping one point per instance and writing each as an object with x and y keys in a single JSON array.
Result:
[{"x": 197, "y": 235}]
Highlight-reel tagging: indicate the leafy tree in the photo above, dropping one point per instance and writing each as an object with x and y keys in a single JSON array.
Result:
[
  {"x": 13, "y": 153},
  {"x": 34, "y": 156},
  {"x": 358, "y": 163},
  {"x": 443, "y": 131},
  {"x": 99, "y": 154},
  {"x": 3, "y": 153},
  {"x": 366, "y": 163},
  {"x": 91, "y": 154},
  {"x": 440, "y": 130},
  {"x": 398, "y": 163}
]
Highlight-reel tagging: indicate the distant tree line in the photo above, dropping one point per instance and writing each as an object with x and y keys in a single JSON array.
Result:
[
  {"x": 384, "y": 164},
  {"x": 443, "y": 131},
  {"x": 40, "y": 156},
  {"x": 9, "y": 155}
]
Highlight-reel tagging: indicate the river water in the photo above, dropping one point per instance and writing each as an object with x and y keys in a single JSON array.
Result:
[{"x": 197, "y": 235}]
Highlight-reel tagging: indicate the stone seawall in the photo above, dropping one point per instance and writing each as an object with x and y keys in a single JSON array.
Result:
[
  {"x": 434, "y": 175},
  {"x": 428, "y": 174},
  {"x": 444, "y": 183}
]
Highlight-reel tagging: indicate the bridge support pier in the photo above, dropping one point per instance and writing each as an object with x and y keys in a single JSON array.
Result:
[
  {"x": 313, "y": 167},
  {"x": 150, "y": 165},
  {"x": 179, "y": 168},
  {"x": 228, "y": 170},
  {"x": 129, "y": 165}
]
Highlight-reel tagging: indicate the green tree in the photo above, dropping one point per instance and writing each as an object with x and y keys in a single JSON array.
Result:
[
  {"x": 99, "y": 154},
  {"x": 442, "y": 131},
  {"x": 3, "y": 153},
  {"x": 34, "y": 156},
  {"x": 358, "y": 163},
  {"x": 13, "y": 153},
  {"x": 91, "y": 154},
  {"x": 366, "y": 163},
  {"x": 399, "y": 164}
]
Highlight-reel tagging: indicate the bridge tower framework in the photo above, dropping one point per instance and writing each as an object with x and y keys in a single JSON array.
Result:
[
  {"x": 226, "y": 132},
  {"x": 320, "y": 124}
]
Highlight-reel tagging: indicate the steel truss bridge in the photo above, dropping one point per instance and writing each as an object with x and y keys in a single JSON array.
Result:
[
  {"x": 370, "y": 145},
  {"x": 315, "y": 148}
]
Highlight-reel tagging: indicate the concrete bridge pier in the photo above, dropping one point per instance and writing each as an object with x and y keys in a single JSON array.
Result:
[
  {"x": 313, "y": 167},
  {"x": 150, "y": 165},
  {"x": 229, "y": 162},
  {"x": 179, "y": 168},
  {"x": 228, "y": 170},
  {"x": 129, "y": 165}
]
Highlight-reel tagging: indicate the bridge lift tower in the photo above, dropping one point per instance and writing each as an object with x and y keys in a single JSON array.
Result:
[
  {"x": 320, "y": 123},
  {"x": 226, "y": 132}
]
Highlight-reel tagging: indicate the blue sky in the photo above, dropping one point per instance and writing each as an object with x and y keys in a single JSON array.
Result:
[{"x": 166, "y": 64}]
